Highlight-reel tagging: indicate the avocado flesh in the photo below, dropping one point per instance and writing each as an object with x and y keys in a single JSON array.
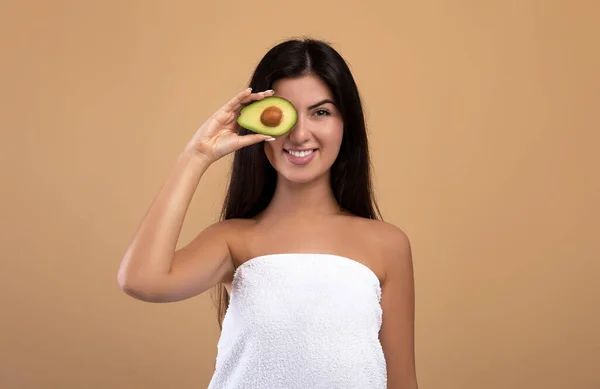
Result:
[{"x": 250, "y": 116}]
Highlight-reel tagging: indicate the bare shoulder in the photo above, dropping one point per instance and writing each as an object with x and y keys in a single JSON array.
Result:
[
  {"x": 223, "y": 233},
  {"x": 390, "y": 233},
  {"x": 228, "y": 228},
  {"x": 390, "y": 244},
  {"x": 236, "y": 233},
  {"x": 388, "y": 237}
]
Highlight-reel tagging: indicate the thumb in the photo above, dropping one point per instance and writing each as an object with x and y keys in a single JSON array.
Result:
[{"x": 247, "y": 140}]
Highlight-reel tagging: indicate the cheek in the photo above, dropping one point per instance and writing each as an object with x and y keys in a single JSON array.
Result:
[
  {"x": 335, "y": 136},
  {"x": 270, "y": 149}
]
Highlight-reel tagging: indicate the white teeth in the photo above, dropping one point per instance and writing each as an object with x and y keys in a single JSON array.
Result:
[{"x": 303, "y": 153}]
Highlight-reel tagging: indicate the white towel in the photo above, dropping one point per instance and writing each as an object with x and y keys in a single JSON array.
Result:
[{"x": 304, "y": 321}]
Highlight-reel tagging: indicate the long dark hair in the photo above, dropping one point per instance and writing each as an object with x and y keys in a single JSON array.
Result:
[{"x": 253, "y": 179}]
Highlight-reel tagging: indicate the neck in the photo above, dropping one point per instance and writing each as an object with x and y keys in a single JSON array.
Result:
[{"x": 303, "y": 199}]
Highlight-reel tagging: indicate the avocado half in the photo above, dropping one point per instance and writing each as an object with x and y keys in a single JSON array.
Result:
[{"x": 272, "y": 116}]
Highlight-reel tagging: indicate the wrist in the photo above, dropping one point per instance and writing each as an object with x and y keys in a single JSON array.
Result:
[{"x": 195, "y": 157}]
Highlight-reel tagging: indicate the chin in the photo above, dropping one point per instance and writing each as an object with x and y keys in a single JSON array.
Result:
[{"x": 301, "y": 177}]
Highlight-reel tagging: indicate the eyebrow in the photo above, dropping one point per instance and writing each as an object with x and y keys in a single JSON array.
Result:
[{"x": 321, "y": 103}]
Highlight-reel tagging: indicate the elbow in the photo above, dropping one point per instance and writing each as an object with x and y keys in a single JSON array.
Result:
[
  {"x": 127, "y": 284},
  {"x": 135, "y": 287}
]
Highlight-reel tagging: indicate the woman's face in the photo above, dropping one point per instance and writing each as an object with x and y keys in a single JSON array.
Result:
[{"x": 309, "y": 149}]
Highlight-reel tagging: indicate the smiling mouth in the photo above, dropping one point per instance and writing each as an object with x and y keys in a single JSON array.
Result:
[{"x": 302, "y": 153}]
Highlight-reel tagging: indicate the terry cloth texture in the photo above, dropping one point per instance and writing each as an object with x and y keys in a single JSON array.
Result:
[{"x": 301, "y": 321}]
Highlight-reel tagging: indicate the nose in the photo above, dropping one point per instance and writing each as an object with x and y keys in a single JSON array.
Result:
[{"x": 300, "y": 133}]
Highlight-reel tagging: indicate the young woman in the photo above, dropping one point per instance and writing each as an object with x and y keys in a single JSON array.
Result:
[{"x": 318, "y": 291}]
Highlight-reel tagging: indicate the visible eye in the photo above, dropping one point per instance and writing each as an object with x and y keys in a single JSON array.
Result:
[{"x": 322, "y": 112}]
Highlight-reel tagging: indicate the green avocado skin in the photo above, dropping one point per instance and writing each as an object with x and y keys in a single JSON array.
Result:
[{"x": 249, "y": 117}]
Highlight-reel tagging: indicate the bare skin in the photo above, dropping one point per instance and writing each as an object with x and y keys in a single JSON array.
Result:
[{"x": 303, "y": 217}]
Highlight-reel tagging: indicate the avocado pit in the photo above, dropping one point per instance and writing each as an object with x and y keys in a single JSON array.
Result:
[{"x": 271, "y": 116}]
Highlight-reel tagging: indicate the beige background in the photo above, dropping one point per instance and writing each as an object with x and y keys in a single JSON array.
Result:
[{"x": 483, "y": 118}]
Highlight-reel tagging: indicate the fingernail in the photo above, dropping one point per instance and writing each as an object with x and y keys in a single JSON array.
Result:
[
  {"x": 270, "y": 91},
  {"x": 270, "y": 139}
]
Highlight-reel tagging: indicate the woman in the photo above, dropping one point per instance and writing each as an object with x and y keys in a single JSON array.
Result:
[{"x": 321, "y": 290}]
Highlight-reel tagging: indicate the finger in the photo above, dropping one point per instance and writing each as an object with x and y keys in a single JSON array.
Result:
[
  {"x": 237, "y": 99},
  {"x": 247, "y": 140},
  {"x": 255, "y": 97}
]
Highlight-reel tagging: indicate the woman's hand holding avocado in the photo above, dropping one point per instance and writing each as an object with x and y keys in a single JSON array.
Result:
[{"x": 218, "y": 136}]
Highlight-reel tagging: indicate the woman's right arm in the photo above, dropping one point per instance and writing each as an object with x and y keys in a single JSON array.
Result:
[{"x": 152, "y": 269}]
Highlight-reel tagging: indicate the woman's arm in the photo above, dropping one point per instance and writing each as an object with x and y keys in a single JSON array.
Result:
[
  {"x": 398, "y": 305},
  {"x": 152, "y": 270}
]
